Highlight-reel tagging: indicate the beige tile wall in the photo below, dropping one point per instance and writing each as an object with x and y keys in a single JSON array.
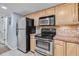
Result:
[{"x": 67, "y": 31}]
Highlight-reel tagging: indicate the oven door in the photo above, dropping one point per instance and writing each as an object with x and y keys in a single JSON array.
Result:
[{"x": 43, "y": 45}]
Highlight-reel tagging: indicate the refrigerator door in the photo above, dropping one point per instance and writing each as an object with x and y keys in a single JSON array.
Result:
[
  {"x": 22, "y": 23},
  {"x": 22, "y": 40}
]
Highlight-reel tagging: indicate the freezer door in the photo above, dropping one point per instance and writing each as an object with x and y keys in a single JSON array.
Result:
[
  {"x": 22, "y": 23},
  {"x": 22, "y": 40}
]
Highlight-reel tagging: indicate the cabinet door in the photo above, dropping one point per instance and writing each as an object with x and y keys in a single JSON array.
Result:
[
  {"x": 59, "y": 48},
  {"x": 42, "y": 13},
  {"x": 76, "y": 20},
  {"x": 77, "y": 49},
  {"x": 71, "y": 49},
  {"x": 50, "y": 11},
  {"x": 32, "y": 43},
  {"x": 65, "y": 14}
]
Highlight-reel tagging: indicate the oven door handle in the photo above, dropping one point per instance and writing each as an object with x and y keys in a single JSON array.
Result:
[{"x": 46, "y": 41}]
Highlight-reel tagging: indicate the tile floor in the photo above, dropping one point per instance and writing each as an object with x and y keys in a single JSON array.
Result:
[
  {"x": 19, "y": 53},
  {"x": 3, "y": 48}
]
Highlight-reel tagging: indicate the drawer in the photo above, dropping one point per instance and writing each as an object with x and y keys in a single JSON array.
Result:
[{"x": 58, "y": 42}]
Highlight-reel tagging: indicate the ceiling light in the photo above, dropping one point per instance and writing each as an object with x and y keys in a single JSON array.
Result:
[{"x": 3, "y": 7}]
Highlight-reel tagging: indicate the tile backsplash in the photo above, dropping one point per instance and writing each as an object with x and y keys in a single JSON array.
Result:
[{"x": 67, "y": 31}]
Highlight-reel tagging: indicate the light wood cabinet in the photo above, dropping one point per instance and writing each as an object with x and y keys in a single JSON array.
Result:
[
  {"x": 71, "y": 49},
  {"x": 76, "y": 14},
  {"x": 50, "y": 11},
  {"x": 59, "y": 48},
  {"x": 65, "y": 14},
  {"x": 42, "y": 13},
  {"x": 37, "y": 15},
  {"x": 32, "y": 42},
  {"x": 77, "y": 49},
  {"x": 62, "y": 48}
]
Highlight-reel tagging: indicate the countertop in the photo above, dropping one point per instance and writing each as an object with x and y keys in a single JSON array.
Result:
[{"x": 67, "y": 39}]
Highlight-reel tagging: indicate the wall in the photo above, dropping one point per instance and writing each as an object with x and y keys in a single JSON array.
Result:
[
  {"x": 2, "y": 33},
  {"x": 5, "y": 26},
  {"x": 3, "y": 30}
]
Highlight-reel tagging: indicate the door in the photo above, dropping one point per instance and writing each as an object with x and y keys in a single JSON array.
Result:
[
  {"x": 50, "y": 11},
  {"x": 77, "y": 49},
  {"x": 22, "y": 40},
  {"x": 65, "y": 14},
  {"x": 76, "y": 20},
  {"x": 41, "y": 13},
  {"x": 32, "y": 42},
  {"x": 71, "y": 49},
  {"x": 58, "y": 50}
]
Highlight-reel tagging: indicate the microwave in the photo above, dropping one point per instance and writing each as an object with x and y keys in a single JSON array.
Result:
[{"x": 47, "y": 20}]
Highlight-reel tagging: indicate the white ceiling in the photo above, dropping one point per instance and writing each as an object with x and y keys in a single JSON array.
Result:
[{"x": 23, "y": 8}]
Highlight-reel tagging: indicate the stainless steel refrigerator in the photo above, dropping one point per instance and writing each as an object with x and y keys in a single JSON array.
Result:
[{"x": 23, "y": 35}]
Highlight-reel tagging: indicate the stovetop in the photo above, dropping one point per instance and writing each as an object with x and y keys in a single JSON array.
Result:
[{"x": 45, "y": 37}]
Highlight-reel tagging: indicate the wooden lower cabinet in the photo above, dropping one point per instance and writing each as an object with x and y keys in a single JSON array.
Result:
[
  {"x": 77, "y": 49},
  {"x": 59, "y": 48},
  {"x": 32, "y": 43},
  {"x": 71, "y": 49},
  {"x": 62, "y": 48}
]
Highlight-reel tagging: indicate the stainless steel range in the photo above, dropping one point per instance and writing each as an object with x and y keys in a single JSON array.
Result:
[{"x": 44, "y": 41}]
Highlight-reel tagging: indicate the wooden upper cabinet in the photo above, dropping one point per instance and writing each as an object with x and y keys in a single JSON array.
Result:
[
  {"x": 38, "y": 15},
  {"x": 36, "y": 19},
  {"x": 50, "y": 11},
  {"x": 76, "y": 15},
  {"x": 31, "y": 16},
  {"x": 42, "y": 13},
  {"x": 77, "y": 49},
  {"x": 65, "y": 14}
]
